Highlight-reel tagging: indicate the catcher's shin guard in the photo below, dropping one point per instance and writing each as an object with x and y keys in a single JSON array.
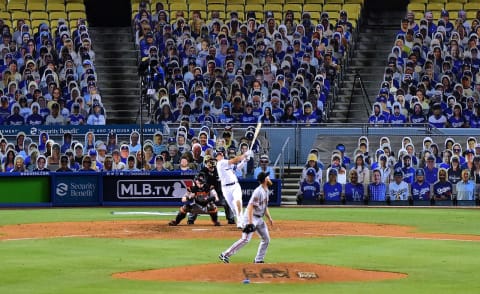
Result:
[
  {"x": 214, "y": 218},
  {"x": 180, "y": 216}
]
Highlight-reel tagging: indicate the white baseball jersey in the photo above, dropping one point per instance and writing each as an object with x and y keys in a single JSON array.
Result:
[{"x": 225, "y": 172}]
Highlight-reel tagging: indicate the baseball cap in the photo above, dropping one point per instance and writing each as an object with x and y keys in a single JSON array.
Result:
[
  {"x": 340, "y": 147},
  {"x": 469, "y": 151},
  {"x": 312, "y": 156},
  {"x": 92, "y": 152},
  {"x": 310, "y": 171},
  {"x": 431, "y": 157},
  {"x": 332, "y": 171},
  {"x": 420, "y": 172},
  {"x": 262, "y": 176},
  {"x": 398, "y": 172}
]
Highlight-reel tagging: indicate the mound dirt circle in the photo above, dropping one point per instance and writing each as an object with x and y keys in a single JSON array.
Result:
[
  {"x": 260, "y": 273},
  {"x": 159, "y": 229}
]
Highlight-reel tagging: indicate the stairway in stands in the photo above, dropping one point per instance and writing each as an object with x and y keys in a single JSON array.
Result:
[
  {"x": 375, "y": 40},
  {"x": 116, "y": 67}
]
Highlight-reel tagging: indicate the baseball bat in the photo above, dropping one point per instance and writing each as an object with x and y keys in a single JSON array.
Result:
[{"x": 255, "y": 135}]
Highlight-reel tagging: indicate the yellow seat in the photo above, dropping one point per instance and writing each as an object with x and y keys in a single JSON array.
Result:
[
  {"x": 312, "y": 7},
  {"x": 238, "y": 2},
  {"x": 301, "y": 2},
  {"x": 72, "y": 6},
  {"x": 277, "y": 9},
  {"x": 15, "y": 6},
  {"x": 322, "y": 2},
  {"x": 353, "y": 10},
  {"x": 38, "y": 15},
  {"x": 74, "y": 1},
  {"x": 216, "y": 2},
  {"x": 198, "y": 6},
  {"x": 435, "y": 6},
  {"x": 416, "y": 7},
  {"x": 179, "y": 6},
  {"x": 55, "y": 7},
  {"x": 216, "y": 7},
  {"x": 20, "y": 15},
  {"x": 250, "y": 2},
  {"x": 57, "y": 1},
  {"x": 438, "y": 1},
  {"x": 334, "y": 1},
  {"x": 314, "y": 15},
  {"x": 254, "y": 7},
  {"x": 450, "y": 6},
  {"x": 471, "y": 15},
  {"x": 471, "y": 6},
  {"x": 295, "y": 7},
  {"x": 333, "y": 15},
  {"x": 240, "y": 9},
  {"x": 36, "y": 6},
  {"x": 8, "y": 22},
  {"x": 361, "y": 2},
  {"x": 436, "y": 14},
  {"x": 37, "y": 22},
  {"x": 76, "y": 15},
  {"x": 268, "y": 2},
  {"x": 332, "y": 7},
  {"x": 5, "y": 15},
  {"x": 56, "y": 15}
]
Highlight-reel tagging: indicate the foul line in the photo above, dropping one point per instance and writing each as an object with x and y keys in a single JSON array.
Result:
[{"x": 396, "y": 237}]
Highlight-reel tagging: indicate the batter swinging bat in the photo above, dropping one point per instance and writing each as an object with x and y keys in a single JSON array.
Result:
[{"x": 255, "y": 135}]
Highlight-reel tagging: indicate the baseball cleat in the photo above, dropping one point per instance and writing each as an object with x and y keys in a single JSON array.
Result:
[
  {"x": 217, "y": 224},
  {"x": 224, "y": 258},
  {"x": 190, "y": 222},
  {"x": 172, "y": 223},
  {"x": 231, "y": 222},
  {"x": 258, "y": 261}
]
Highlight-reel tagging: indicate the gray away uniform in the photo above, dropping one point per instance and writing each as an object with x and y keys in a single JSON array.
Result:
[{"x": 259, "y": 200}]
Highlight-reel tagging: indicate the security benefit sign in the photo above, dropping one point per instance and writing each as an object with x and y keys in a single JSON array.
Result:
[
  {"x": 164, "y": 189},
  {"x": 72, "y": 189}
]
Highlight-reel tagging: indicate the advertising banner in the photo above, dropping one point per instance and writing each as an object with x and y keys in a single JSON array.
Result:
[
  {"x": 25, "y": 189},
  {"x": 71, "y": 189},
  {"x": 165, "y": 189}
]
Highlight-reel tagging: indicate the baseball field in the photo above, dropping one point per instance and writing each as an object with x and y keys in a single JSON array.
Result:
[{"x": 313, "y": 250}]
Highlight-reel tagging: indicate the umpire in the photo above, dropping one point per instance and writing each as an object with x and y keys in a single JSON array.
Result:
[{"x": 209, "y": 169}]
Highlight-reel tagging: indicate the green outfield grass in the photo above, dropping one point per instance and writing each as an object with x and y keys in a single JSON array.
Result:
[{"x": 84, "y": 265}]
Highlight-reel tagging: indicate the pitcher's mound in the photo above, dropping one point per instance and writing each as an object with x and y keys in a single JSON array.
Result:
[{"x": 260, "y": 273}]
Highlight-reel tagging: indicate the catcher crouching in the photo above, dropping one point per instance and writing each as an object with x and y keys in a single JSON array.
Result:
[{"x": 199, "y": 199}]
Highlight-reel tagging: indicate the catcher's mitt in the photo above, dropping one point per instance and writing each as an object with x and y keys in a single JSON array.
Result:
[{"x": 249, "y": 228}]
